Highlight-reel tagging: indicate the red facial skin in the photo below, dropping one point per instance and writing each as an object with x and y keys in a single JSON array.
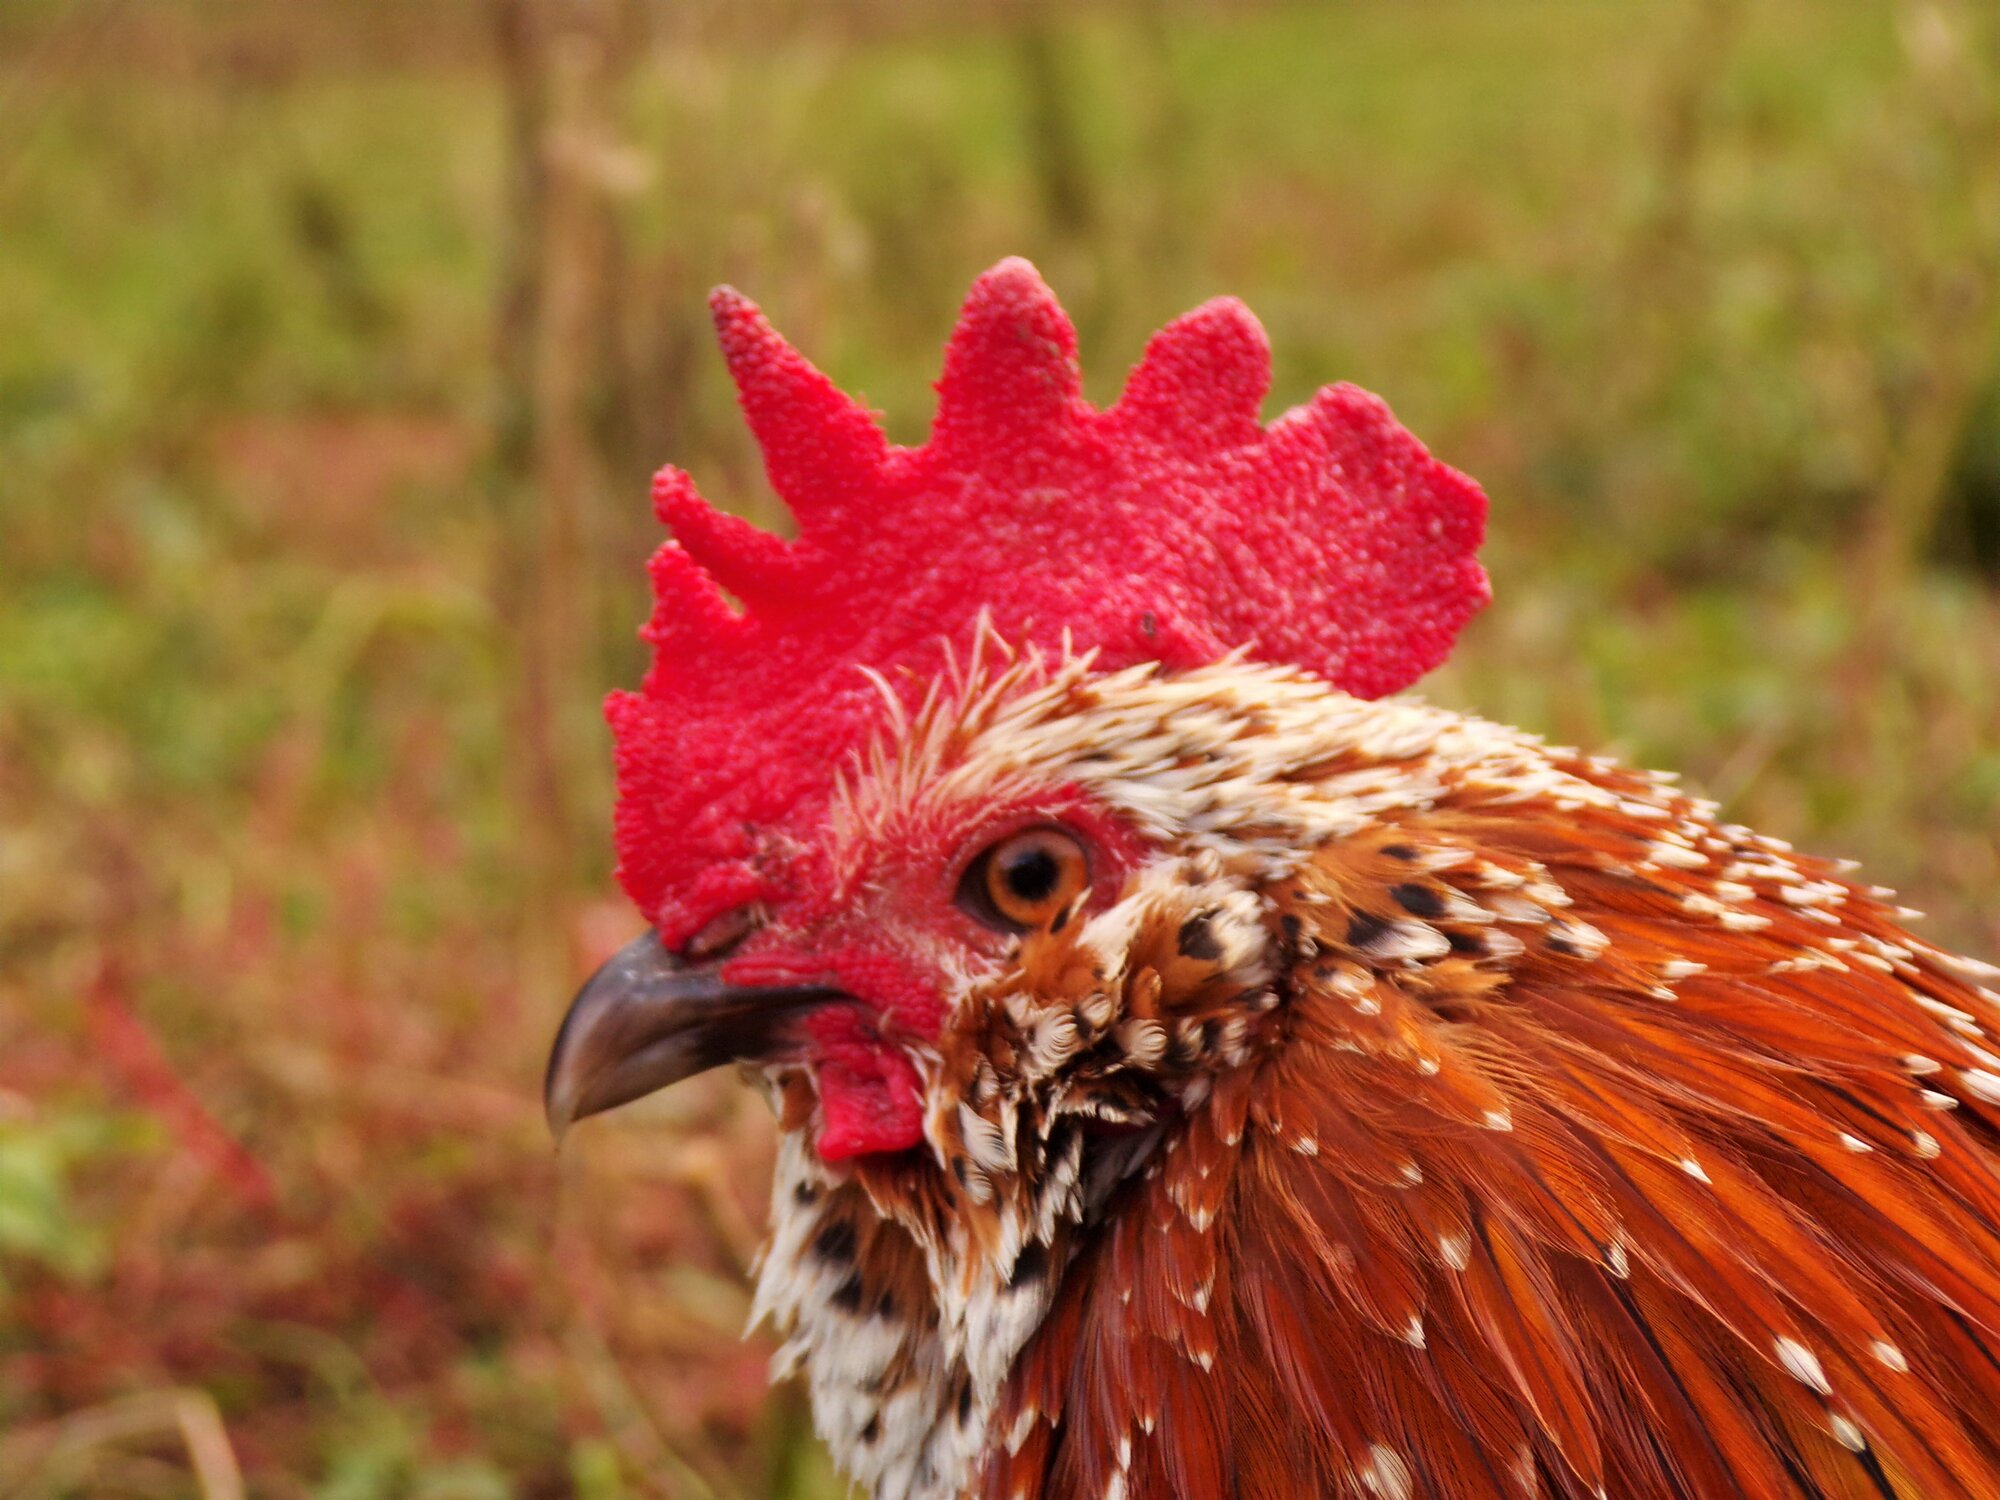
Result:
[{"x": 893, "y": 941}]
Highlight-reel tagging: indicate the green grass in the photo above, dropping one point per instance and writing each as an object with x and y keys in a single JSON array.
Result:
[{"x": 1677, "y": 281}]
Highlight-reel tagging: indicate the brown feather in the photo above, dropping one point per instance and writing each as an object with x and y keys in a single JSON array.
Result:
[{"x": 1637, "y": 1203}]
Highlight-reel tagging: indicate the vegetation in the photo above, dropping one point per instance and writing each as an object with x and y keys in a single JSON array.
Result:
[{"x": 336, "y": 343}]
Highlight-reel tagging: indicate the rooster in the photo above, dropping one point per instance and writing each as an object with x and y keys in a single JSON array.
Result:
[{"x": 1202, "y": 1074}]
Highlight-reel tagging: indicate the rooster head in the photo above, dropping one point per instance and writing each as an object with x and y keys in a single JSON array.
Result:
[{"x": 865, "y": 788}]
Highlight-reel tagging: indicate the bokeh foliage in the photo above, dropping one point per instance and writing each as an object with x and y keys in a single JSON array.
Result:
[{"x": 336, "y": 343}]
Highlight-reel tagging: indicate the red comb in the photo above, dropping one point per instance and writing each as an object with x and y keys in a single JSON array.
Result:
[{"x": 1171, "y": 527}]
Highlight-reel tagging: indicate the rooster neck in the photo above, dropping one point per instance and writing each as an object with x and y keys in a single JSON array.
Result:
[
  {"x": 1564, "y": 1140},
  {"x": 852, "y": 1296},
  {"x": 1599, "y": 1147},
  {"x": 903, "y": 1318}
]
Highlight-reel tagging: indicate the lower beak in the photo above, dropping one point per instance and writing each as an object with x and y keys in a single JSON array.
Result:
[{"x": 646, "y": 1019}]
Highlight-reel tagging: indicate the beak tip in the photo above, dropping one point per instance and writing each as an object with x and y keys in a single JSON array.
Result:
[
  {"x": 559, "y": 1124},
  {"x": 558, "y": 1099}
]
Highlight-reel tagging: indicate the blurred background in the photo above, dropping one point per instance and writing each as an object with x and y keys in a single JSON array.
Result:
[{"x": 337, "y": 343}]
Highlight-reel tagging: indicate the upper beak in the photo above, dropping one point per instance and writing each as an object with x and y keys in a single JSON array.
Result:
[{"x": 646, "y": 1019}]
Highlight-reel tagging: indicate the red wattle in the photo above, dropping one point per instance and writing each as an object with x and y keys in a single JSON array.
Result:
[
  {"x": 869, "y": 1102},
  {"x": 871, "y": 1097}
]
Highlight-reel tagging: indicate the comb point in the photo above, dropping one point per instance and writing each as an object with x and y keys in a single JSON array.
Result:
[
  {"x": 822, "y": 450},
  {"x": 689, "y": 611},
  {"x": 745, "y": 559},
  {"x": 1202, "y": 381},
  {"x": 1011, "y": 376}
]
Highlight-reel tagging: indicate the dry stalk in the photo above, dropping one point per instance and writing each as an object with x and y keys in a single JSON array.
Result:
[
  {"x": 562, "y": 69},
  {"x": 1954, "y": 56},
  {"x": 51, "y": 1458}
]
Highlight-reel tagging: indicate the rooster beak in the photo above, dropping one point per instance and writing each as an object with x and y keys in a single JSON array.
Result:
[{"x": 646, "y": 1019}]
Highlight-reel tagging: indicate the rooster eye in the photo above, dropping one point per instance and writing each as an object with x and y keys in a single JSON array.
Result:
[{"x": 1026, "y": 880}]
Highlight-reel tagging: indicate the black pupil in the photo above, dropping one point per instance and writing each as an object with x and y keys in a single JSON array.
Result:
[{"x": 1031, "y": 875}]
